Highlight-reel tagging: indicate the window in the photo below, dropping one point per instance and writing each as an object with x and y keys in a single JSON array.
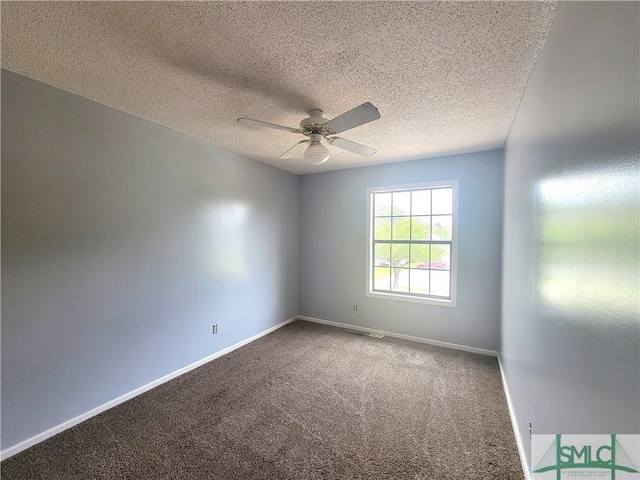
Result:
[{"x": 412, "y": 244}]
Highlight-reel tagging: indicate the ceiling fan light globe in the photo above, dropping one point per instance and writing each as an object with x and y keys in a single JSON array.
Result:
[{"x": 316, "y": 154}]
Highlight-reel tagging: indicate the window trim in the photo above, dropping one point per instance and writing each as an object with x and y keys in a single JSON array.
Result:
[{"x": 407, "y": 297}]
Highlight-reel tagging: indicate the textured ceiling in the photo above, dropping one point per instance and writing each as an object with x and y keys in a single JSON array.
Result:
[{"x": 446, "y": 77}]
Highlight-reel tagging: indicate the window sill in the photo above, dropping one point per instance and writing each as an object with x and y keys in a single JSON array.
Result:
[{"x": 411, "y": 299}]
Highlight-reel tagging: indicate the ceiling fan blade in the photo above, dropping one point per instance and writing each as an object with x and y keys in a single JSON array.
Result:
[
  {"x": 258, "y": 123},
  {"x": 296, "y": 151},
  {"x": 352, "y": 146},
  {"x": 365, "y": 113}
]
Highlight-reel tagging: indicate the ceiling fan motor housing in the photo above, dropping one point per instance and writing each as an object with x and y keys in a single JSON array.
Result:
[{"x": 314, "y": 124}]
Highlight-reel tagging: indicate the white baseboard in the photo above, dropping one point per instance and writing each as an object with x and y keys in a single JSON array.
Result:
[
  {"x": 8, "y": 452},
  {"x": 514, "y": 424},
  {"x": 437, "y": 343},
  {"x": 516, "y": 430}
]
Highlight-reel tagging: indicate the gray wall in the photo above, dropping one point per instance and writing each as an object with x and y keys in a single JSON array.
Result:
[
  {"x": 571, "y": 328},
  {"x": 333, "y": 244},
  {"x": 123, "y": 242}
]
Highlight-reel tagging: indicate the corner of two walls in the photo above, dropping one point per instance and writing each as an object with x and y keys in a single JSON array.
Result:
[{"x": 123, "y": 243}]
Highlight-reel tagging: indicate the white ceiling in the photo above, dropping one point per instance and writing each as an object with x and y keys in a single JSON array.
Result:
[{"x": 446, "y": 77}]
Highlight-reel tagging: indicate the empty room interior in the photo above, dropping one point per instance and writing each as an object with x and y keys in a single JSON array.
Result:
[{"x": 309, "y": 240}]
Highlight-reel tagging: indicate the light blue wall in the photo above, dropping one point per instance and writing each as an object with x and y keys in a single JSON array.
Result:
[
  {"x": 571, "y": 320},
  {"x": 333, "y": 250},
  {"x": 123, "y": 242}
]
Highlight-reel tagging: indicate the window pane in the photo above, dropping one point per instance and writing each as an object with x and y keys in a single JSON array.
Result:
[
  {"x": 440, "y": 257},
  {"x": 439, "y": 283},
  {"x": 419, "y": 281},
  {"x": 382, "y": 229},
  {"x": 442, "y": 200},
  {"x": 412, "y": 245},
  {"x": 382, "y": 278},
  {"x": 382, "y": 204},
  {"x": 421, "y": 202},
  {"x": 401, "y": 203},
  {"x": 420, "y": 228},
  {"x": 401, "y": 228},
  {"x": 420, "y": 256},
  {"x": 383, "y": 255},
  {"x": 400, "y": 280},
  {"x": 399, "y": 255},
  {"x": 442, "y": 227}
]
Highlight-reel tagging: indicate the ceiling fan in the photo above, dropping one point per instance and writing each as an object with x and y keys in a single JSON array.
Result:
[{"x": 318, "y": 128}]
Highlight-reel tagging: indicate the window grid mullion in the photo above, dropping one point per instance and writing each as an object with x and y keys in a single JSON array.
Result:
[
  {"x": 429, "y": 271},
  {"x": 417, "y": 242},
  {"x": 410, "y": 238},
  {"x": 430, "y": 233}
]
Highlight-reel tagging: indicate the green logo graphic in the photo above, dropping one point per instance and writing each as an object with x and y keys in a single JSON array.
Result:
[{"x": 609, "y": 456}]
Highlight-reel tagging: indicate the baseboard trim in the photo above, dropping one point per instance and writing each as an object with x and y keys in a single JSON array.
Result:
[
  {"x": 455, "y": 346},
  {"x": 514, "y": 424},
  {"x": 19, "y": 447},
  {"x": 437, "y": 343}
]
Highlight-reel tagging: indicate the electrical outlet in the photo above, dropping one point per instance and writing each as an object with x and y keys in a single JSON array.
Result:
[
  {"x": 215, "y": 329},
  {"x": 530, "y": 427},
  {"x": 355, "y": 307}
]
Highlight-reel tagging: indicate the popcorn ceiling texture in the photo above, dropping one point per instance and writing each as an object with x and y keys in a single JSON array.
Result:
[{"x": 447, "y": 77}]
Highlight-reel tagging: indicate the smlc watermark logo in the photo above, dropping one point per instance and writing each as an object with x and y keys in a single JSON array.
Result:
[{"x": 589, "y": 457}]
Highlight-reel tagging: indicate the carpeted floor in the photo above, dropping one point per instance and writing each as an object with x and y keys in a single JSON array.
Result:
[{"x": 305, "y": 402}]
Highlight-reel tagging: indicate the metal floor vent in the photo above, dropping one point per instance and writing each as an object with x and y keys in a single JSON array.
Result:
[{"x": 376, "y": 335}]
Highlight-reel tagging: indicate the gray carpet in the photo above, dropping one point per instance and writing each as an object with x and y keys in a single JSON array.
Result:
[{"x": 305, "y": 402}]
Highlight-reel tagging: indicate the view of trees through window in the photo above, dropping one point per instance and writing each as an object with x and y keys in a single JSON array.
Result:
[{"x": 412, "y": 238}]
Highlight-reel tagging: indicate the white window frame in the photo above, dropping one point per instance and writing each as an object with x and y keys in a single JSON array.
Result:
[{"x": 408, "y": 297}]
